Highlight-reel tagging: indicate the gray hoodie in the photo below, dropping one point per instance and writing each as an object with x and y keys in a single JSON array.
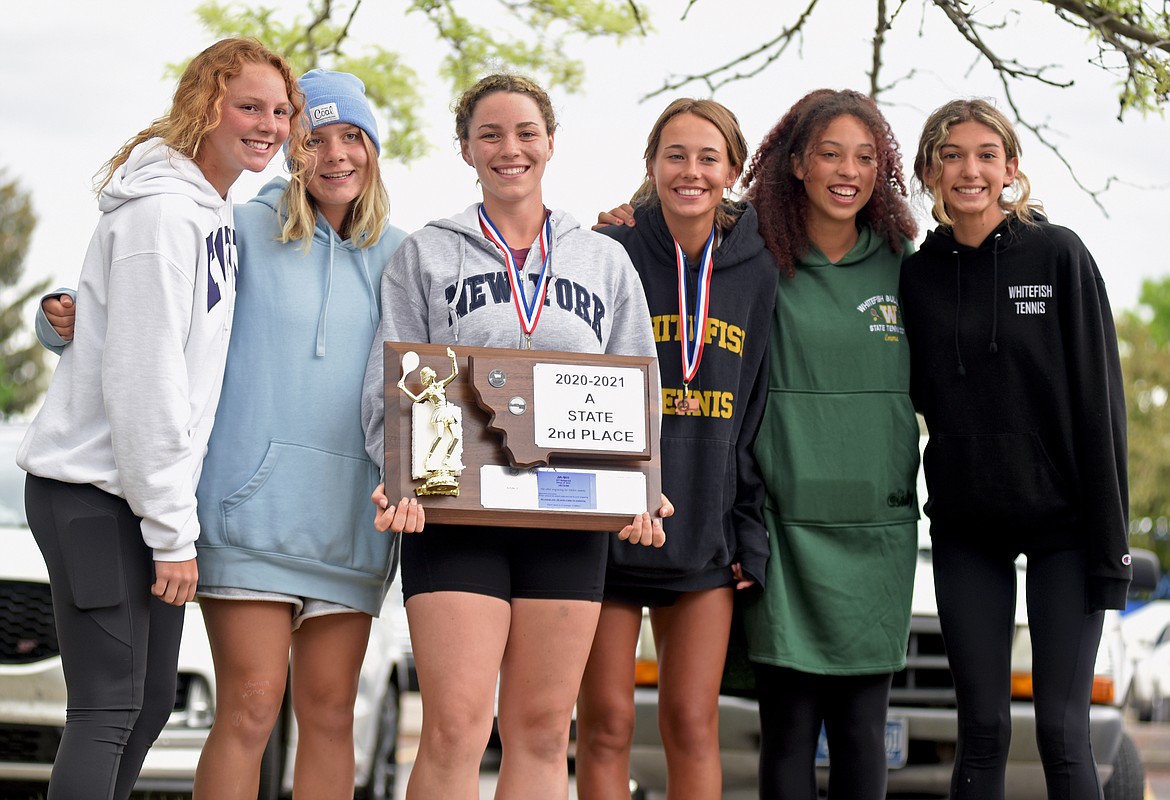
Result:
[{"x": 447, "y": 284}]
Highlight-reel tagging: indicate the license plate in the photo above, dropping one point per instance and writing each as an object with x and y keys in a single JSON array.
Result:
[{"x": 896, "y": 744}]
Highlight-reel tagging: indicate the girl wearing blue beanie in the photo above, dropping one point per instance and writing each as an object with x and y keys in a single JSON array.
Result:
[{"x": 289, "y": 554}]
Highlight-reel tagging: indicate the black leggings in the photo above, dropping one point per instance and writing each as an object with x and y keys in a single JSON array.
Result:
[
  {"x": 119, "y": 644},
  {"x": 792, "y": 707},
  {"x": 975, "y": 584}
]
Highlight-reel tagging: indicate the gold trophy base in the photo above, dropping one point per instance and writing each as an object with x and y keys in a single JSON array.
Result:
[{"x": 441, "y": 483}]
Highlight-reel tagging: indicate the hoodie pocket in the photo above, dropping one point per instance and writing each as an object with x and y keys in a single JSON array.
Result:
[
  {"x": 308, "y": 503},
  {"x": 1005, "y": 476}
]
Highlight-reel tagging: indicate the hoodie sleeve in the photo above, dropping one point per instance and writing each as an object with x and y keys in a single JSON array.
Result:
[
  {"x": 146, "y": 386},
  {"x": 752, "y": 550},
  {"x": 404, "y": 319},
  {"x": 1098, "y": 401},
  {"x": 46, "y": 335}
]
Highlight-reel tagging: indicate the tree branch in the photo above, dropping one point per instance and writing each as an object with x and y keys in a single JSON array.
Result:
[
  {"x": 1039, "y": 132},
  {"x": 637, "y": 12},
  {"x": 967, "y": 27},
  {"x": 1146, "y": 79},
  {"x": 722, "y": 75},
  {"x": 1103, "y": 21}
]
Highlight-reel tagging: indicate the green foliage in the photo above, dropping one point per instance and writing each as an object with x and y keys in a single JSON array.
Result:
[
  {"x": 22, "y": 377},
  {"x": 470, "y": 49},
  {"x": 1155, "y": 302},
  {"x": 1133, "y": 39},
  {"x": 1144, "y": 337}
]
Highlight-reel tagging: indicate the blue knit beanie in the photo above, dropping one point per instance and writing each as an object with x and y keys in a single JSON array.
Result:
[{"x": 338, "y": 97}]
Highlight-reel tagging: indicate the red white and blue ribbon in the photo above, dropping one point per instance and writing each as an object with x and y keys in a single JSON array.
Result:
[
  {"x": 527, "y": 309},
  {"x": 694, "y": 334}
]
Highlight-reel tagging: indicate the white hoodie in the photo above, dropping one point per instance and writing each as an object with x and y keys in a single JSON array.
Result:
[{"x": 132, "y": 401}]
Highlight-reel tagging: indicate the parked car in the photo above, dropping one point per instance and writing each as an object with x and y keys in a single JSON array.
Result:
[
  {"x": 32, "y": 686},
  {"x": 1147, "y": 633},
  {"x": 922, "y": 727}
]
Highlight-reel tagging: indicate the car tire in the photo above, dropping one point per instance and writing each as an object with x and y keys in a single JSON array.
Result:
[
  {"x": 1128, "y": 781},
  {"x": 384, "y": 765}
]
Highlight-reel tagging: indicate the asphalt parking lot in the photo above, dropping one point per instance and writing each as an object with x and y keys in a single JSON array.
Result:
[{"x": 1153, "y": 741}]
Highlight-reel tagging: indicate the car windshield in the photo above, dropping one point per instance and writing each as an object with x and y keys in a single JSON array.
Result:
[{"x": 11, "y": 477}]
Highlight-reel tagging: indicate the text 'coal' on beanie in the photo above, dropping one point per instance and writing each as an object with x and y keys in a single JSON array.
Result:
[{"x": 338, "y": 97}]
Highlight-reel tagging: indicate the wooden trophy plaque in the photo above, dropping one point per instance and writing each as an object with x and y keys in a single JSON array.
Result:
[{"x": 522, "y": 438}]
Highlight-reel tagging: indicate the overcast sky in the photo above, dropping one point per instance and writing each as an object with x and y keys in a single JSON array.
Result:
[{"x": 81, "y": 77}]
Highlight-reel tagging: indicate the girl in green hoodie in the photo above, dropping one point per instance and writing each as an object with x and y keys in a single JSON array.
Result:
[{"x": 837, "y": 448}]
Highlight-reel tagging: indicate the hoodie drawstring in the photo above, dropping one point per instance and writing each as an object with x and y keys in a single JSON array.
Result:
[
  {"x": 993, "y": 347},
  {"x": 453, "y": 304},
  {"x": 325, "y": 304},
  {"x": 374, "y": 301},
  {"x": 958, "y": 308}
]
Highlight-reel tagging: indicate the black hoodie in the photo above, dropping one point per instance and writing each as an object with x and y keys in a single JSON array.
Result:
[
  {"x": 1014, "y": 365},
  {"x": 708, "y": 469}
]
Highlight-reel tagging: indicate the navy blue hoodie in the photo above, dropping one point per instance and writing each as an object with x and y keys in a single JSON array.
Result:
[
  {"x": 1014, "y": 366},
  {"x": 708, "y": 469}
]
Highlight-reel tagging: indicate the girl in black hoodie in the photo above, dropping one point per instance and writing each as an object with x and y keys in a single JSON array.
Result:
[
  {"x": 1014, "y": 366},
  {"x": 699, "y": 256}
]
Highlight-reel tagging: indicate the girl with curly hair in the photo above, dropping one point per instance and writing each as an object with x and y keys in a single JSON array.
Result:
[{"x": 837, "y": 447}]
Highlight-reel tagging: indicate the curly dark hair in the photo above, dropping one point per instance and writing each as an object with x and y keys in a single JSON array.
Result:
[{"x": 779, "y": 196}]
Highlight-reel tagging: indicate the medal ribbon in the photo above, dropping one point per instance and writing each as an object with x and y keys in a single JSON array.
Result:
[
  {"x": 694, "y": 337},
  {"x": 527, "y": 310}
]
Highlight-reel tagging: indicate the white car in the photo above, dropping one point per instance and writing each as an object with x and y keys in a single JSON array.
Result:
[
  {"x": 32, "y": 686},
  {"x": 1147, "y": 635}
]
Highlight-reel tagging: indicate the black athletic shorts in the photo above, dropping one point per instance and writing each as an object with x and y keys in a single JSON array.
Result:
[{"x": 505, "y": 562}]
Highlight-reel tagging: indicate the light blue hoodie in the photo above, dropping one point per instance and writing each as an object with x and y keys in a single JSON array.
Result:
[{"x": 284, "y": 501}]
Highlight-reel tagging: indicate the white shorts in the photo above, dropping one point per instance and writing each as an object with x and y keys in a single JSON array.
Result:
[{"x": 303, "y": 607}]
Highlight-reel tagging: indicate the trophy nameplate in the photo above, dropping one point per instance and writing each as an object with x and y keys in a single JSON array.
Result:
[{"x": 522, "y": 438}]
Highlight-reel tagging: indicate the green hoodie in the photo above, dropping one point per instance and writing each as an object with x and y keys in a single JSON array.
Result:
[{"x": 838, "y": 450}]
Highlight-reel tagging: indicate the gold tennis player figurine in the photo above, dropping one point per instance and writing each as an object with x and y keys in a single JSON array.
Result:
[{"x": 434, "y": 420}]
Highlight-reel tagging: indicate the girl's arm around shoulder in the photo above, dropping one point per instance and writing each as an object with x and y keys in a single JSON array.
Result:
[{"x": 630, "y": 331}]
